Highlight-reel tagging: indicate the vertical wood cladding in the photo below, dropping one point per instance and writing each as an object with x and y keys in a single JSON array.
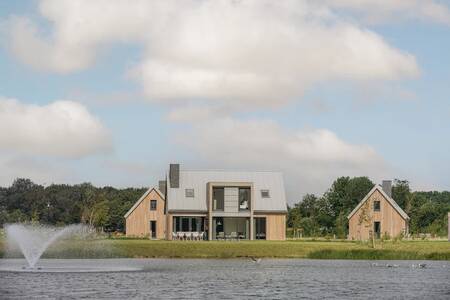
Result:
[{"x": 138, "y": 222}]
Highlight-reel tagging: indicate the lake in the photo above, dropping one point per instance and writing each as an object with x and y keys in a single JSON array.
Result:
[{"x": 226, "y": 279}]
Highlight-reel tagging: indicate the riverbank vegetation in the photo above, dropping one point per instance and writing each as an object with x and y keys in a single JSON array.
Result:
[
  {"x": 62, "y": 204},
  {"x": 143, "y": 248},
  {"x": 326, "y": 216}
]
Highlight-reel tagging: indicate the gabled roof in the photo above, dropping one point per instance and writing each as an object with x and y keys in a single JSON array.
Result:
[
  {"x": 198, "y": 180},
  {"x": 142, "y": 198},
  {"x": 389, "y": 199}
]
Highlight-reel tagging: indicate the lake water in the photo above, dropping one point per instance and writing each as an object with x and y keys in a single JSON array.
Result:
[{"x": 225, "y": 279}]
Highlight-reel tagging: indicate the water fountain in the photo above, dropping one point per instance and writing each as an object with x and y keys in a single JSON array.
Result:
[{"x": 33, "y": 240}]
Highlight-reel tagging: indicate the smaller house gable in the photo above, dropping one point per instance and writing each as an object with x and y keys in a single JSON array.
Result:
[
  {"x": 389, "y": 199},
  {"x": 142, "y": 199}
]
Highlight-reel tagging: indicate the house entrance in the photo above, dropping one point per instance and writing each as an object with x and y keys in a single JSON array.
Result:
[
  {"x": 153, "y": 229},
  {"x": 377, "y": 229}
]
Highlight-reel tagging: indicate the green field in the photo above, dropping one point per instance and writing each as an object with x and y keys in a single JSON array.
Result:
[{"x": 141, "y": 248}]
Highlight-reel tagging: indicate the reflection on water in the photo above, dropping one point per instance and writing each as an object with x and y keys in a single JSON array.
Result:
[{"x": 231, "y": 279}]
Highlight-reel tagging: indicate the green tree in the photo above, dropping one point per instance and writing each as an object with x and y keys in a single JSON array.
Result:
[
  {"x": 345, "y": 193},
  {"x": 401, "y": 193}
]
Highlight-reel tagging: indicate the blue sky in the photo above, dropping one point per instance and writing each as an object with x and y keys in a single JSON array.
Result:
[{"x": 356, "y": 91}]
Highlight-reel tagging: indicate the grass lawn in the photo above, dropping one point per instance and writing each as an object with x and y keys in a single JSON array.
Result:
[
  {"x": 285, "y": 249},
  {"x": 142, "y": 248}
]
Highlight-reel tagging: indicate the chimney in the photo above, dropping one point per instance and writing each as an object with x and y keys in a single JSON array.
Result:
[
  {"x": 387, "y": 187},
  {"x": 162, "y": 186},
  {"x": 174, "y": 175}
]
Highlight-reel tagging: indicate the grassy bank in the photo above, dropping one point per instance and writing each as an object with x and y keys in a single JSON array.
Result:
[
  {"x": 288, "y": 249},
  {"x": 136, "y": 248}
]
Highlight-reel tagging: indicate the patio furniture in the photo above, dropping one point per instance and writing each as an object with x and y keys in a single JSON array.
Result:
[
  {"x": 261, "y": 236},
  {"x": 233, "y": 236},
  {"x": 221, "y": 235}
]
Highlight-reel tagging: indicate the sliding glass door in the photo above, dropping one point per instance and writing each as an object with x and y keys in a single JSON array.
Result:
[
  {"x": 231, "y": 228},
  {"x": 260, "y": 228}
]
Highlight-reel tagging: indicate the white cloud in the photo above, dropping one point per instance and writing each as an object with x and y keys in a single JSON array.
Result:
[
  {"x": 248, "y": 53},
  {"x": 197, "y": 113},
  {"x": 23, "y": 166},
  {"x": 62, "y": 128},
  {"x": 381, "y": 11},
  {"x": 62, "y": 57},
  {"x": 209, "y": 58},
  {"x": 310, "y": 159}
]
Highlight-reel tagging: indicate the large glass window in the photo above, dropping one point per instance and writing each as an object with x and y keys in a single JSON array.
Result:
[
  {"x": 244, "y": 198},
  {"x": 230, "y": 228},
  {"x": 185, "y": 224},
  {"x": 219, "y": 232},
  {"x": 188, "y": 224},
  {"x": 218, "y": 198}
]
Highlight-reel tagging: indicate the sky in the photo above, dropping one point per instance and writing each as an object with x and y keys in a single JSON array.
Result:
[{"x": 111, "y": 92}]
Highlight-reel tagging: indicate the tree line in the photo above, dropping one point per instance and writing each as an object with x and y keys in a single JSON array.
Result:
[
  {"x": 327, "y": 215},
  {"x": 61, "y": 204},
  {"x": 104, "y": 207}
]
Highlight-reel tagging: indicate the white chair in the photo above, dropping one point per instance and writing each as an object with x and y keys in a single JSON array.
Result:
[{"x": 174, "y": 236}]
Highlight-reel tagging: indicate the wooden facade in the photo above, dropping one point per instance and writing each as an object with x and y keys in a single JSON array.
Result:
[
  {"x": 139, "y": 219},
  {"x": 384, "y": 218},
  {"x": 275, "y": 226}
]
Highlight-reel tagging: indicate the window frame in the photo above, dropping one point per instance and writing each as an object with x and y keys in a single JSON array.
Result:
[
  {"x": 265, "y": 191},
  {"x": 156, "y": 204},
  {"x": 215, "y": 205},
  {"x": 248, "y": 193},
  {"x": 187, "y": 193},
  {"x": 376, "y": 205}
]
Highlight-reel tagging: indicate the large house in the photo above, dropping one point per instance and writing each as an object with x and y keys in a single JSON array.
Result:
[
  {"x": 212, "y": 205},
  {"x": 378, "y": 215}
]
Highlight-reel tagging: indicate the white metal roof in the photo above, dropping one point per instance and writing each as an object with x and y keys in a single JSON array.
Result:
[
  {"x": 389, "y": 199},
  {"x": 198, "y": 180}
]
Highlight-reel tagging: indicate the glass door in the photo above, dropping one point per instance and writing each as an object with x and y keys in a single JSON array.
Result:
[{"x": 260, "y": 228}]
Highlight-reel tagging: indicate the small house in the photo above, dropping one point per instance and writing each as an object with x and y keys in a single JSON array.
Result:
[
  {"x": 146, "y": 218},
  {"x": 377, "y": 214}
]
